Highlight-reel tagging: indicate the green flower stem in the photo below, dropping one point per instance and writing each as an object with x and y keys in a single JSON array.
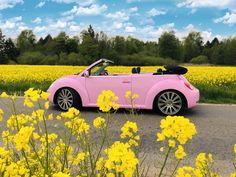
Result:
[
  {"x": 175, "y": 168},
  {"x": 36, "y": 152},
  {"x": 65, "y": 161},
  {"x": 18, "y": 129},
  {"x": 164, "y": 164},
  {"x": 47, "y": 143},
  {"x": 102, "y": 143}
]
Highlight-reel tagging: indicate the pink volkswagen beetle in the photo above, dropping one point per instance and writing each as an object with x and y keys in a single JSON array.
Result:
[{"x": 167, "y": 91}]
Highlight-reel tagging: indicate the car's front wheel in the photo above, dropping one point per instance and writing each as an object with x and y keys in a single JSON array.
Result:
[
  {"x": 67, "y": 98},
  {"x": 170, "y": 102}
]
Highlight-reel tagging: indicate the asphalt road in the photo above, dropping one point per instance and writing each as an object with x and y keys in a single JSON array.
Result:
[{"x": 216, "y": 127}]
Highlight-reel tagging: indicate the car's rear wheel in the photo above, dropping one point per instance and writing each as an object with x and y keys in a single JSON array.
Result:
[
  {"x": 67, "y": 98},
  {"x": 170, "y": 102}
]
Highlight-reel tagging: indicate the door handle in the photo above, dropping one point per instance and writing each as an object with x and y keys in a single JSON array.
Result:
[{"x": 126, "y": 82}]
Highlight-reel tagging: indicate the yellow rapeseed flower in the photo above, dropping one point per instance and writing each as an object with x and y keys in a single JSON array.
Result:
[
  {"x": 71, "y": 113},
  {"x": 99, "y": 122},
  {"x": 22, "y": 138},
  {"x": 233, "y": 175},
  {"x": 179, "y": 153},
  {"x": 4, "y": 95},
  {"x": 107, "y": 100},
  {"x": 1, "y": 114},
  {"x": 44, "y": 95},
  {"x": 172, "y": 143},
  {"x": 128, "y": 94},
  {"x": 121, "y": 159},
  {"x": 60, "y": 174},
  {"x": 46, "y": 105},
  {"x": 100, "y": 163}
]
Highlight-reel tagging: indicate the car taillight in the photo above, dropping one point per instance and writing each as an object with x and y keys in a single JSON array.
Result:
[{"x": 187, "y": 84}]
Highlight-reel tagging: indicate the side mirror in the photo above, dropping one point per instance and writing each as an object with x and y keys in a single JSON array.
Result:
[{"x": 86, "y": 74}]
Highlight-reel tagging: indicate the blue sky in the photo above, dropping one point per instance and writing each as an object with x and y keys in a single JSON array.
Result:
[{"x": 143, "y": 19}]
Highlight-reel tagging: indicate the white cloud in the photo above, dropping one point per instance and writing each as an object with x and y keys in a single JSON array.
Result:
[
  {"x": 22, "y": 27},
  {"x": 155, "y": 12},
  {"x": 130, "y": 29},
  {"x": 165, "y": 28},
  {"x": 59, "y": 24},
  {"x": 11, "y": 22},
  {"x": 121, "y": 16},
  {"x": 41, "y": 4},
  {"x": 118, "y": 16},
  {"x": 75, "y": 28},
  {"x": 117, "y": 25},
  {"x": 79, "y": 2},
  {"x": 39, "y": 29},
  {"x": 4, "y": 4},
  {"x": 206, "y": 34},
  {"x": 37, "y": 20},
  {"x": 228, "y": 18},
  {"x": 92, "y": 10},
  {"x": 190, "y": 27},
  {"x": 207, "y": 3},
  {"x": 133, "y": 9}
]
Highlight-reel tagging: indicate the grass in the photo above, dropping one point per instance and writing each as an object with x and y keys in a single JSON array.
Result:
[{"x": 217, "y": 94}]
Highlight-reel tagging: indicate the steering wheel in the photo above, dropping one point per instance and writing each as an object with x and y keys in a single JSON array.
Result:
[{"x": 103, "y": 73}]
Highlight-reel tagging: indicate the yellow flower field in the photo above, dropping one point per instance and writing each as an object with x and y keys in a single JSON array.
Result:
[
  {"x": 209, "y": 75},
  {"x": 211, "y": 80}
]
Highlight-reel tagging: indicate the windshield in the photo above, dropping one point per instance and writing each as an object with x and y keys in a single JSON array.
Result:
[{"x": 98, "y": 69}]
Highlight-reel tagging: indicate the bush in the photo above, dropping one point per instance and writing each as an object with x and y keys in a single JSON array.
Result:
[
  {"x": 71, "y": 59},
  {"x": 201, "y": 59},
  {"x": 50, "y": 60},
  {"x": 141, "y": 60},
  {"x": 31, "y": 58}
]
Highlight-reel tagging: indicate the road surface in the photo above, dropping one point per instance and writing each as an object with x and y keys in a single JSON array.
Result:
[{"x": 216, "y": 127}]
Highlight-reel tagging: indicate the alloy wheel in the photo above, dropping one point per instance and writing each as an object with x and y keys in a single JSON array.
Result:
[
  {"x": 65, "y": 99},
  {"x": 169, "y": 103}
]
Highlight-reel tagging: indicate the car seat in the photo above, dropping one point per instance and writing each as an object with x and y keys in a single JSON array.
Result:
[{"x": 136, "y": 70}]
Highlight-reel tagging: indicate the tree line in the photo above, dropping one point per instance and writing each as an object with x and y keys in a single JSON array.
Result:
[{"x": 90, "y": 46}]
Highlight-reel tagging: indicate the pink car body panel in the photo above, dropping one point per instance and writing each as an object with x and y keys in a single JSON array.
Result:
[{"x": 146, "y": 85}]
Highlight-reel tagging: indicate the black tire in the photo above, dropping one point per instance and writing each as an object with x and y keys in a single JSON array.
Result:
[
  {"x": 169, "y": 102},
  {"x": 67, "y": 98}
]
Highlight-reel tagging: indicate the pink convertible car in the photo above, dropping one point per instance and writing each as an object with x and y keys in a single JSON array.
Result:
[{"x": 167, "y": 91}]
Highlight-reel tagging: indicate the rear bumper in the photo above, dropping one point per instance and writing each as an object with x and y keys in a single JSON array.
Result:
[{"x": 193, "y": 97}]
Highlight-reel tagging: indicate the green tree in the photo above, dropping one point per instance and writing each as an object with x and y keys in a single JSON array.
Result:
[
  {"x": 103, "y": 45},
  {"x": 11, "y": 51},
  {"x": 169, "y": 46},
  {"x": 193, "y": 45},
  {"x": 89, "y": 46},
  {"x": 60, "y": 43},
  {"x": 72, "y": 45},
  {"x": 230, "y": 51},
  {"x": 133, "y": 45},
  {"x": 26, "y": 40},
  {"x": 151, "y": 48},
  {"x": 119, "y": 44},
  {"x": 3, "y": 56}
]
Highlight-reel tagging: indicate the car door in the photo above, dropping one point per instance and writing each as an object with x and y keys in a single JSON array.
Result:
[{"x": 119, "y": 84}]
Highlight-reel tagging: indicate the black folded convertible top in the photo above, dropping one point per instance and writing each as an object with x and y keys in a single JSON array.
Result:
[{"x": 174, "y": 69}]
